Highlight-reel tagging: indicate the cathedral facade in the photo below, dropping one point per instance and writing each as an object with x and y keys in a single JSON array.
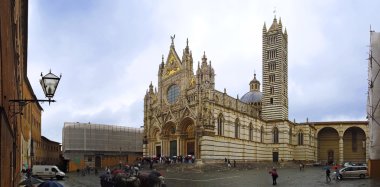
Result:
[{"x": 186, "y": 115}]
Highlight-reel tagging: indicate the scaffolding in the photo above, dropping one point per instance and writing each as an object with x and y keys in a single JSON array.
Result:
[
  {"x": 88, "y": 137},
  {"x": 373, "y": 99}
]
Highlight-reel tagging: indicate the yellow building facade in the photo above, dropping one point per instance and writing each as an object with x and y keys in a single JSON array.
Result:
[{"x": 186, "y": 115}]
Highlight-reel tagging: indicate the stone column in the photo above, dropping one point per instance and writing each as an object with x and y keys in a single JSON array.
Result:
[
  {"x": 366, "y": 149},
  {"x": 179, "y": 146},
  {"x": 340, "y": 149}
]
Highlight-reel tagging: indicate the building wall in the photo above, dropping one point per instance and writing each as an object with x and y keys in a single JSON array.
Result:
[
  {"x": 49, "y": 152},
  {"x": 30, "y": 125},
  {"x": 13, "y": 49}
]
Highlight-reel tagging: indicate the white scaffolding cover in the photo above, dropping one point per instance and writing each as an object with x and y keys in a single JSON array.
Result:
[{"x": 103, "y": 138}]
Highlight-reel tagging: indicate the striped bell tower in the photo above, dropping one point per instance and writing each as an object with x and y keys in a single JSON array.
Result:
[{"x": 275, "y": 72}]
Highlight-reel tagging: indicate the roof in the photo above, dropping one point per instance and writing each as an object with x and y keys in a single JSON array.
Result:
[{"x": 252, "y": 97}]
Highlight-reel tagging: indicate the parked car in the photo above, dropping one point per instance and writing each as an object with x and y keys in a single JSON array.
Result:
[
  {"x": 47, "y": 171},
  {"x": 353, "y": 172}
]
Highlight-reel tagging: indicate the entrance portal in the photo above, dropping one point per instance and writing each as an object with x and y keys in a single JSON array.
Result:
[
  {"x": 158, "y": 151},
  {"x": 173, "y": 148},
  {"x": 190, "y": 148}
]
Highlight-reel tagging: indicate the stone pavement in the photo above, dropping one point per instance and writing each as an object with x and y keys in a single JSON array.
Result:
[{"x": 218, "y": 175}]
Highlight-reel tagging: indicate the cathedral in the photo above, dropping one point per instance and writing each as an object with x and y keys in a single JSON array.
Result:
[{"x": 186, "y": 115}]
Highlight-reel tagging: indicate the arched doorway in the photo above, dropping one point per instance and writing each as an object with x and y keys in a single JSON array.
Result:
[
  {"x": 187, "y": 137},
  {"x": 354, "y": 145},
  {"x": 155, "y": 141},
  {"x": 328, "y": 145},
  {"x": 169, "y": 139}
]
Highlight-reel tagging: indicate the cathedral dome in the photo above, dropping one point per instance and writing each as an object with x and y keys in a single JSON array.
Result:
[{"x": 252, "y": 97}]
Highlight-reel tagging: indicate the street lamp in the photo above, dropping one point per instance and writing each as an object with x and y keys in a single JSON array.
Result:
[{"x": 49, "y": 84}]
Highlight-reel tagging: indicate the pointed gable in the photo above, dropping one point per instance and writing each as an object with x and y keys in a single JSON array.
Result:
[{"x": 173, "y": 63}]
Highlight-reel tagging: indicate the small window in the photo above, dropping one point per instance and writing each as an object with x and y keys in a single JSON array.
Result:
[
  {"x": 275, "y": 135},
  {"x": 271, "y": 100},
  {"x": 271, "y": 90}
]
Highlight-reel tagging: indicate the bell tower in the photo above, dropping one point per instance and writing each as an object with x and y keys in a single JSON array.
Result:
[{"x": 275, "y": 72}]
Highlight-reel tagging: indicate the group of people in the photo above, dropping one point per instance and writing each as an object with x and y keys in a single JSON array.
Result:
[
  {"x": 328, "y": 173},
  {"x": 228, "y": 162}
]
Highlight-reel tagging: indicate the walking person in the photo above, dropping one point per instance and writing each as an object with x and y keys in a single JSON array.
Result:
[
  {"x": 274, "y": 174},
  {"x": 300, "y": 166},
  {"x": 337, "y": 174},
  {"x": 328, "y": 179}
]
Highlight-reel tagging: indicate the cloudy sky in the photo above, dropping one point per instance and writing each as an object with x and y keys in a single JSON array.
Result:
[{"x": 108, "y": 53}]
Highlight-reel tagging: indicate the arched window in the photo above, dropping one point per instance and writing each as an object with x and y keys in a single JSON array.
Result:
[
  {"x": 262, "y": 134},
  {"x": 300, "y": 138},
  {"x": 275, "y": 135},
  {"x": 237, "y": 128},
  {"x": 290, "y": 135},
  {"x": 220, "y": 125},
  {"x": 250, "y": 132}
]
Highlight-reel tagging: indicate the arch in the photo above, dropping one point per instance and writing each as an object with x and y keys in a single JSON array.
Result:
[
  {"x": 275, "y": 134},
  {"x": 154, "y": 132},
  {"x": 237, "y": 128},
  {"x": 187, "y": 136},
  {"x": 187, "y": 126},
  {"x": 169, "y": 129},
  {"x": 354, "y": 145},
  {"x": 220, "y": 122},
  {"x": 328, "y": 145}
]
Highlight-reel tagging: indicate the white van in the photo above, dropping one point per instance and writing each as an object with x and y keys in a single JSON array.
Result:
[{"x": 47, "y": 171}]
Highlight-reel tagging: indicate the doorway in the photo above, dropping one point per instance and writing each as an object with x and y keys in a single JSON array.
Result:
[
  {"x": 173, "y": 148},
  {"x": 158, "y": 151},
  {"x": 98, "y": 161},
  {"x": 190, "y": 147},
  {"x": 330, "y": 157},
  {"x": 275, "y": 156}
]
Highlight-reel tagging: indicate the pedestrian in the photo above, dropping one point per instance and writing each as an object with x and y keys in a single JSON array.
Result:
[
  {"x": 234, "y": 163},
  {"x": 337, "y": 174},
  {"x": 225, "y": 160},
  {"x": 151, "y": 164},
  {"x": 300, "y": 166},
  {"x": 274, "y": 174},
  {"x": 328, "y": 179},
  {"x": 228, "y": 163}
]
